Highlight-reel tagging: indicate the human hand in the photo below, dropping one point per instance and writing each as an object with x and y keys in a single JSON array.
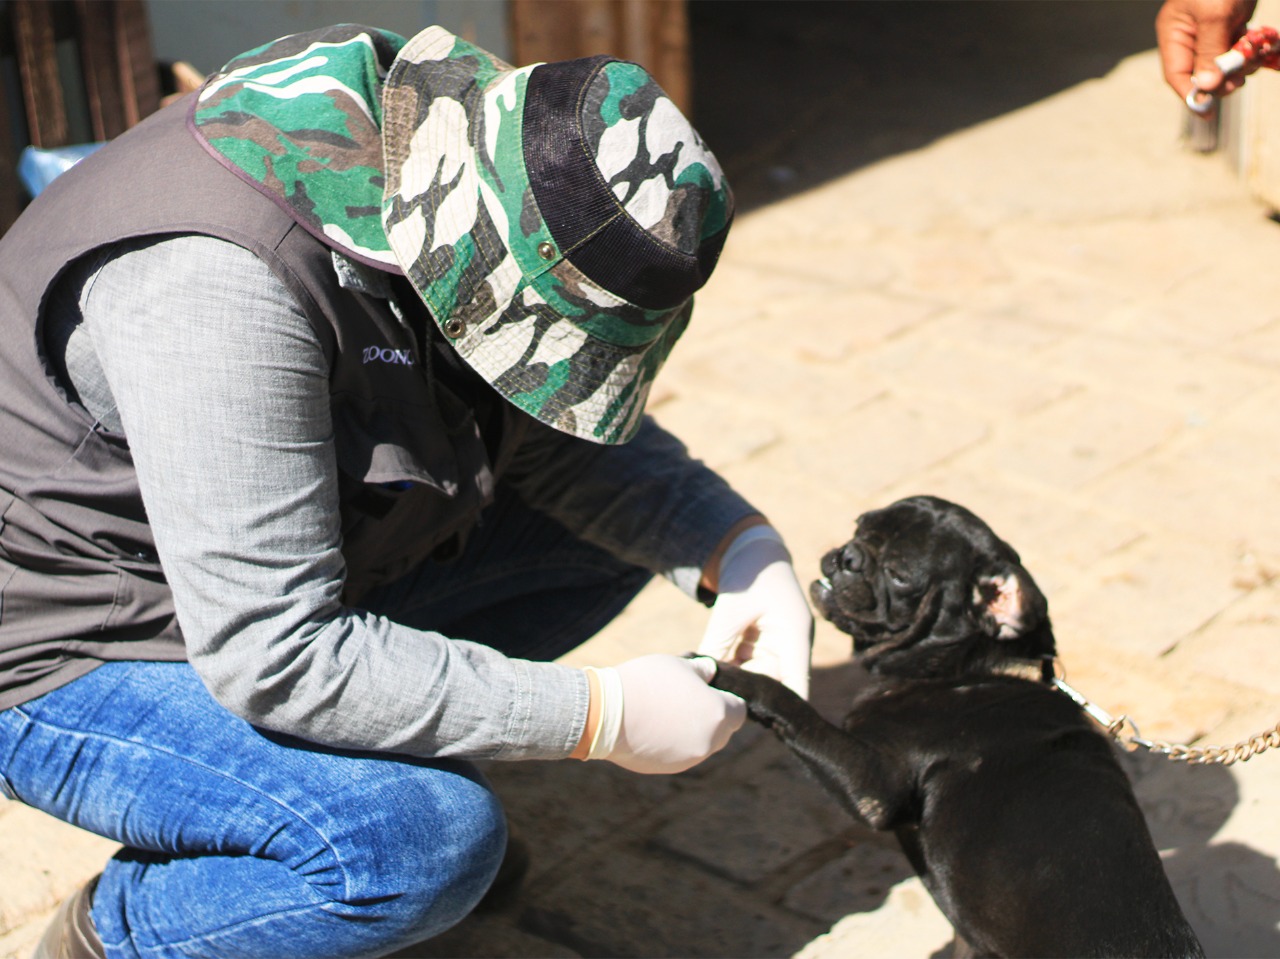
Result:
[
  {"x": 761, "y": 620},
  {"x": 658, "y": 715},
  {"x": 1190, "y": 33}
]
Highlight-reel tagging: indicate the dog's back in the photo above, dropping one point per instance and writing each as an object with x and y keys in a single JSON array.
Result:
[{"x": 1021, "y": 823}]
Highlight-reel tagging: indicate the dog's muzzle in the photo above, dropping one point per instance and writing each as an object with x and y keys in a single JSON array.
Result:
[{"x": 844, "y": 589}]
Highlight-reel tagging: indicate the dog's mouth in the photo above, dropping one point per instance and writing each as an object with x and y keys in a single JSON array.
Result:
[{"x": 844, "y": 599}]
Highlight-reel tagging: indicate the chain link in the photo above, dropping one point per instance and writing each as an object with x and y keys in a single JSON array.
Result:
[
  {"x": 1219, "y": 755},
  {"x": 1119, "y": 730}
]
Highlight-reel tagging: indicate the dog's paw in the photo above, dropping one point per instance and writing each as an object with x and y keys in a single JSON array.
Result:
[
  {"x": 741, "y": 682},
  {"x": 766, "y": 697}
]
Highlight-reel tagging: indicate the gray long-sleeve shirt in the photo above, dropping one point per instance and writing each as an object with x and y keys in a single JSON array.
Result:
[{"x": 193, "y": 349}]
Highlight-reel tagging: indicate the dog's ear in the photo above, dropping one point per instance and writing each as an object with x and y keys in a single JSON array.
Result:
[{"x": 1012, "y": 601}]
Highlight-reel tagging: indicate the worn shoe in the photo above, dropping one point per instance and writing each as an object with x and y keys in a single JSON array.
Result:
[{"x": 71, "y": 934}]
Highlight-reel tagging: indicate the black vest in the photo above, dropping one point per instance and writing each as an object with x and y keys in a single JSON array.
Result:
[{"x": 79, "y": 577}]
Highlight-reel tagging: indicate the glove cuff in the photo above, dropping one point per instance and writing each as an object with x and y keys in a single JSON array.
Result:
[
  {"x": 611, "y": 701},
  {"x": 604, "y": 715},
  {"x": 753, "y": 534},
  {"x": 591, "y": 728}
]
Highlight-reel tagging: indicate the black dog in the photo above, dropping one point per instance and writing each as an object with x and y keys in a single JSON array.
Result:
[{"x": 1008, "y": 802}]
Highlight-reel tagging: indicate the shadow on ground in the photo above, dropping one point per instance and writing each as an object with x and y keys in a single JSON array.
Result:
[
  {"x": 1230, "y": 892},
  {"x": 791, "y": 93}
]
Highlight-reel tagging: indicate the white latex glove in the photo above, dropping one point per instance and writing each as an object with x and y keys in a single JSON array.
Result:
[
  {"x": 761, "y": 619},
  {"x": 658, "y": 715}
]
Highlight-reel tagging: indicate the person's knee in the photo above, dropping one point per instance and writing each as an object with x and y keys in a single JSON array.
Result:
[
  {"x": 429, "y": 849},
  {"x": 457, "y": 864}
]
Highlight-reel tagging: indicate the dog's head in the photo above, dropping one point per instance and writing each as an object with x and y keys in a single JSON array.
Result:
[{"x": 925, "y": 588}]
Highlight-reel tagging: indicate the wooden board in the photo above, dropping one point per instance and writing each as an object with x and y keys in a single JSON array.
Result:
[
  {"x": 653, "y": 33},
  {"x": 38, "y": 71}
]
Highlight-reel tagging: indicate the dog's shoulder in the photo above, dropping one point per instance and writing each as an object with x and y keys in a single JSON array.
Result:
[{"x": 979, "y": 713}]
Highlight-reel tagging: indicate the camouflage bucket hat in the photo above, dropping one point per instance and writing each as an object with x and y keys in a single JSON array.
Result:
[{"x": 556, "y": 220}]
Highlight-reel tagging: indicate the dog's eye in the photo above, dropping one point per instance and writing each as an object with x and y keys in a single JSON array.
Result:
[{"x": 897, "y": 579}]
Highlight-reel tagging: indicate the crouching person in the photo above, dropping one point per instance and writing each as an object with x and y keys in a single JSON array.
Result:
[{"x": 322, "y": 394}]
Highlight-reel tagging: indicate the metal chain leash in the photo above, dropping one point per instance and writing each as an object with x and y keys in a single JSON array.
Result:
[
  {"x": 1258, "y": 48},
  {"x": 1125, "y": 731}
]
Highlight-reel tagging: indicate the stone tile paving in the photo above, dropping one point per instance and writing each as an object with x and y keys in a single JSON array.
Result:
[{"x": 1007, "y": 315}]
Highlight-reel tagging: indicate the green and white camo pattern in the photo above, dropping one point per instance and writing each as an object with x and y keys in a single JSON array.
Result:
[
  {"x": 410, "y": 154},
  {"x": 301, "y": 119},
  {"x": 463, "y": 220}
]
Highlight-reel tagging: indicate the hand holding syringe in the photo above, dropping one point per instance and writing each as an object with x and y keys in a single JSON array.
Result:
[{"x": 1258, "y": 48}]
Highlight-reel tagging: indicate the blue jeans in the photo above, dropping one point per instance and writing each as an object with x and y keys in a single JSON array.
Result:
[{"x": 244, "y": 843}]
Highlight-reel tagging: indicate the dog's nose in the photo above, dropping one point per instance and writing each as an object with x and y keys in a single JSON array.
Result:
[{"x": 852, "y": 557}]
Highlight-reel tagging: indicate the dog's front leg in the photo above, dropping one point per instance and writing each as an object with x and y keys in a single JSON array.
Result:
[{"x": 858, "y": 774}]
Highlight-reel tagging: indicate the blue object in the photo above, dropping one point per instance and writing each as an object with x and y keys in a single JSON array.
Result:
[
  {"x": 37, "y": 167},
  {"x": 259, "y": 845}
]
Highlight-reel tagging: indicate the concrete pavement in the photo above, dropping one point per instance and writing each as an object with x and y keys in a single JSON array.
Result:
[{"x": 1055, "y": 316}]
